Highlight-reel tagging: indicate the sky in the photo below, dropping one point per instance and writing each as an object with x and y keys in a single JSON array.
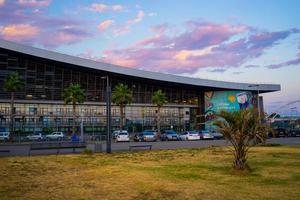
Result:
[{"x": 232, "y": 40}]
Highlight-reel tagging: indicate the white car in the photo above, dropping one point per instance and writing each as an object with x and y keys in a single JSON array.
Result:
[
  {"x": 35, "y": 137},
  {"x": 55, "y": 136},
  {"x": 122, "y": 136},
  {"x": 206, "y": 135},
  {"x": 4, "y": 136},
  {"x": 190, "y": 135}
]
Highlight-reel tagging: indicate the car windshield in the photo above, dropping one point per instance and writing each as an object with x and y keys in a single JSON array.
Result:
[
  {"x": 193, "y": 132},
  {"x": 148, "y": 133},
  {"x": 205, "y": 132},
  {"x": 123, "y": 133},
  {"x": 170, "y": 132}
]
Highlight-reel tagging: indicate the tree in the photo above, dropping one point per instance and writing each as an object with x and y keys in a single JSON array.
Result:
[
  {"x": 242, "y": 129},
  {"x": 12, "y": 84},
  {"x": 122, "y": 96},
  {"x": 158, "y": 99},
  {"x": 73, "y": 94}
]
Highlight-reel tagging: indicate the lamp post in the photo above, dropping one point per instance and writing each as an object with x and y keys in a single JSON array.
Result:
[
  {"x": 258, "y": 101},
  {"x": 108, "y": 115}
]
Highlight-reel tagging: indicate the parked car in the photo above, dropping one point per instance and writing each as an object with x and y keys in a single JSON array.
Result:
[
  {"x": 152, "y": 131},
  {"x": 206, "y": 135},
  {"x": 295, "y": 132},
  {"x": 217, "y": 135},
  {"x": 55, "y": 136},
  {"x": 4, "y": 136},
  {"x": 281, "y": 132},
  {"x": 35, "y": 137},
  {"x": 190, "y": 135},
  {"x": 169, "y": 135},
  {"x": 115, "y": 134},
  {"x": 145, "y": 136},
  {"x": 123, "y": 136}
]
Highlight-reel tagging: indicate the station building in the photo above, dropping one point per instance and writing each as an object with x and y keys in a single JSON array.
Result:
[{"x": 192, "y": 102}]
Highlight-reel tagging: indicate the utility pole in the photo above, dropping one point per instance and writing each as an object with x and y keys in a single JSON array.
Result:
[{"x": 108, "y": 114}]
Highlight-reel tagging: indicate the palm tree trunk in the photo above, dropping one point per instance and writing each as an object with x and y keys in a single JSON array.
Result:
[
  {"x": 158, "y": 121},
  {"x": 240, "y": 158},
  {"x": 122, "y": 116},
  {"x": 74, "y": 118},
  {"x": 12, "y": 113}
]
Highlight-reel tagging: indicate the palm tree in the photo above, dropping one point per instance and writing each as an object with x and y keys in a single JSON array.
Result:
[
  {"x": 158, "y": 99},
  {"x": 73, "y": 94},
  {"x": 12, "y": 84},
  {"x": 122, "y": 96},
  {"x": 242, "y": 129}
]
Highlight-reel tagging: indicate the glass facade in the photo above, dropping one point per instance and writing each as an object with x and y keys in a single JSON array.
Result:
[
  {"x": 39, "y": 105},
  {"x": 30, "y": 117}
]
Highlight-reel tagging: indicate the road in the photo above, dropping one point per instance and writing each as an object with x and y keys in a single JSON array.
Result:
[{"x": 23, "y": 149}]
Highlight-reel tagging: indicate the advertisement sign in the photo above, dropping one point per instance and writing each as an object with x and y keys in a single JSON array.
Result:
[{"x": 226, "y": 100}]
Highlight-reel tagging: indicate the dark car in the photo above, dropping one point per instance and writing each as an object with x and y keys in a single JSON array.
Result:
[
  {"x": 145, "y": 136},
  {"x": 281, "y": 132},
  {"x": 295, "y": 132},
  {"x": 169, "y": 135}
]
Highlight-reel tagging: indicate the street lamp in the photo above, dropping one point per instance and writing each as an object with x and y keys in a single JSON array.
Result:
[
  {"x": 258, "y": 101},
  {"x": 108, "y": 114}
]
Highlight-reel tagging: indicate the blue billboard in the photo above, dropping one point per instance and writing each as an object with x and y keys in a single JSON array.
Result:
[{"x": 225, "y": 100}]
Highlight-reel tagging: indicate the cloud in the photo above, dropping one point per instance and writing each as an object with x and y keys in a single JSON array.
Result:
[
  {"x": 161, "y": 28},
  {"x": 117, "y": 8},
  {"x": 2, "y": 2},
  {"x": 121, "y": 30},
  {"x": 105, "y": 24},
  {"x": 100, "y": 7},
  {"x": 217, "y": 70},
  {"x": 285, "y": 64},
  {"x": 65, "y": 35},
  {"x": 201, "y": 45},
  {"x": 19, "y": 32},
  {"x": 252, "y": 66},
  {"x": 138, "y": 18},
  {"x": 22, "y": 23},
  {"x": 34, "y": 3}
]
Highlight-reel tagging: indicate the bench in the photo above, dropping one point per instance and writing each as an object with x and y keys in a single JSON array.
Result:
[
  {"x": 140, "y": 146},
  {"x": 57, "y": 146},
  {"x": 5, "y": 151}
]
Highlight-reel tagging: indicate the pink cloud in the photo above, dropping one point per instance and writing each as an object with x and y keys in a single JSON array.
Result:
[
  {"x": 34, "y": 3},
  {"x": 101, "y": 7},
  {"x": 139, "y": 17},
  {"x": 25, "y": 25},
  {"x": 105, "y": 24},
  {"x": 98, "y": 7},
  {"x": 203, "y": 44},
  {"x": 19, "y": 31},
  {"x": 2, "y": 2},
  {"x": 117, "y": 8}
]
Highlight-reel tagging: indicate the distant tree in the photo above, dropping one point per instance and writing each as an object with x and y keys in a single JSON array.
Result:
[
  {"x": 12, "y": 84},
  {"x": 74, "y": 95},
  {"x": 158, "y": 99},
  {"x": 242, "y": 129},
  {"x": 122, "y": 96}
]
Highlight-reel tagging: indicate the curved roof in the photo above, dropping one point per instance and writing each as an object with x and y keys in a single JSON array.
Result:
[{"x": 46, "y": 54}]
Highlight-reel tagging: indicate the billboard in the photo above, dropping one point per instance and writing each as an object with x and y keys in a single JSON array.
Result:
[{"x": 226, "y": 100}]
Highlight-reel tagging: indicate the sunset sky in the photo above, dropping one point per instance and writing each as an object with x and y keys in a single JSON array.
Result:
[{"x": 230, "y": 40}]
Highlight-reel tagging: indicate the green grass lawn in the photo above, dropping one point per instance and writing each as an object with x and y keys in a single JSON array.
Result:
[{"x": 171, "y": 174}]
